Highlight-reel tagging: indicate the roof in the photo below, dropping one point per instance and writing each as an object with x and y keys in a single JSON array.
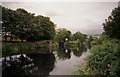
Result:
[{"x": 94, "y": 37}]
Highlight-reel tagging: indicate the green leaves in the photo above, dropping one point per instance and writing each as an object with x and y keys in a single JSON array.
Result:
[
  {"x": 25, "y": 26},
  {"x": 104, "y": 59},
  {"x": 112, "y": 24},
  {"x": 62, "y": 34},
  {"x": 9, "y": 49},
  {"x": 79, "y": 36},
  {"x": 104, "y": 54}
]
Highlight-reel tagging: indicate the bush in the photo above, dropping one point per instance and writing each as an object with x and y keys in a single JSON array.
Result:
[{"x": 103, "y": 59}]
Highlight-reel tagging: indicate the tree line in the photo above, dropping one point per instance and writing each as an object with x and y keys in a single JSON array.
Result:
[
  {"x": 20, "y": 24},
  {"x": 63, "y": 35}
]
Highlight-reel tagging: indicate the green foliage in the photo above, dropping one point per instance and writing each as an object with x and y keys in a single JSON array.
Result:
[
  {"x": 25, "y": 26},
  {"x": 78, "y": 51},
  {"x": 112, "y": 24},
  {"x": 79, "y": 36},
  {"x": 43, "y": 44},
  {"x": 74, "y": 44},
  {"x": 62, "y": 34},
  {"x": 103, "y": 58},
  {"x": 88, "y": 42},
  {"x": 99, "y": 40},
  {"x": 62, "y": 54},
  {"x": 105, "y": 51},
  {"x": 9, "y": 49},
  {"x": 43, "y": 30}
]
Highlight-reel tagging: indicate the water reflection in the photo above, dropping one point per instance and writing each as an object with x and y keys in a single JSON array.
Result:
[
  {"x": 29, "y": 64},
  {"x": 78, "y": 51},
  {"x": 65, "y": 53},
  {"x": 42, "y": 62},
  {"x": 67, "y": 58}
]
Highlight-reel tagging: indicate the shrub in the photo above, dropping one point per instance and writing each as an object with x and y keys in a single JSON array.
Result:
[{"x": 103, "y": 59}]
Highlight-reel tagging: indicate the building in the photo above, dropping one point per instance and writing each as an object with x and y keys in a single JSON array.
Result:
[{"x": 94, "y": 37}]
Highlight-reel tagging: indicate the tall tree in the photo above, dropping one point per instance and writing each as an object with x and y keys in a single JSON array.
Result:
[{"x": 112, "y": 24}]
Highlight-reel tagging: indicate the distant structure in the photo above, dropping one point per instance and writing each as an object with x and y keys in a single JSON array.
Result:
[{"x": 119, "y": 4}]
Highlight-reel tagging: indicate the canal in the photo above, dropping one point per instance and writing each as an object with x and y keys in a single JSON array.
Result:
[{"x": 62, "y": 61}]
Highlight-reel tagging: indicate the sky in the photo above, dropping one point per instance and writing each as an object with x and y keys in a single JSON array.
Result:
[{"x": 83, "y": 16}]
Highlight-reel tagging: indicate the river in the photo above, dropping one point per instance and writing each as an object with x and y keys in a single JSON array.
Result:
[{"x": 62, "y": 61}]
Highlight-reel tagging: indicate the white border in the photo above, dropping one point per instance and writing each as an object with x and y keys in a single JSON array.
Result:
[{"x": 59, "y": 0}]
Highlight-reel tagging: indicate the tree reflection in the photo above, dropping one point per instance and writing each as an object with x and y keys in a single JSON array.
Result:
[
  {"x": 63, "y": 53},
  {"x": 78, "y": 51},
  {"x": 30, "y": 64},
  {"x": 43, "y": 62}
]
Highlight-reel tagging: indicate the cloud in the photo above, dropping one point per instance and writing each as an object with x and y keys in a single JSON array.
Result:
[
  {"x": 86, "y": 17},
  {"x": 52, "y": 13}
]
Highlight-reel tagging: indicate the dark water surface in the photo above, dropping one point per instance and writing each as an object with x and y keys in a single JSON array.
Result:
[{"x": 61, "y": 61}]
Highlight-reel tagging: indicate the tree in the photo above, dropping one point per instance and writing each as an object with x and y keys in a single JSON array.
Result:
[
  {"x": 90, "y": 39},
  {"x": 44, "y": 29},
  {"x": 25, "y": 23},
  {"x": 25, "y": 26},
  {"x": 77, "y": 35},
  {"x": 9, "y": 22},
  {"x": 112, "y": 24},
  {"x": 62, "y": 34},
  {"x": 47, "y": 27},
  {"x": 80, "y": 36}
]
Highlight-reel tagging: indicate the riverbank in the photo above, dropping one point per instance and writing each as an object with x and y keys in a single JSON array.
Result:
[
  {"x": 15, "y": 47},
  {"x": 104, "y": 58},
  {"x": 9, "y": 49}
]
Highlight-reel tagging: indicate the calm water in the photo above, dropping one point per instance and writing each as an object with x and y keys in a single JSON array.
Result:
[{"x": 61, "y": 61}]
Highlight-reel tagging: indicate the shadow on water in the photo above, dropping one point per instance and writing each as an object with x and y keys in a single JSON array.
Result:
[{"x": 28, "y": 64}]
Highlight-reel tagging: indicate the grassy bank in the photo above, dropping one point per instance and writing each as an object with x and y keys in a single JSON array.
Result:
[
  {"x": 9, "y": 49},
  {"x": 76, "y": 43}
]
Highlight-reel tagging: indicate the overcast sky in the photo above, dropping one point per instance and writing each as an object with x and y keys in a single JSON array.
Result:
[{"x": 86, "y": 17}]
